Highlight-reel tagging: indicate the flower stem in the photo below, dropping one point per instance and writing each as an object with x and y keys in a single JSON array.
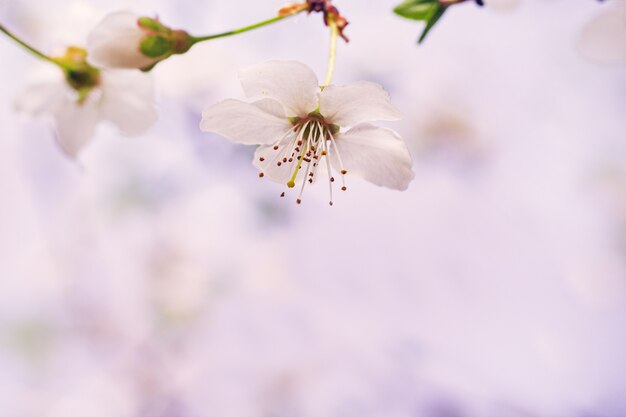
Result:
[
  {"x": 197, "y": 39},
  {"x": 30, "y": 48},
  {"x": 334, "y": 34}
]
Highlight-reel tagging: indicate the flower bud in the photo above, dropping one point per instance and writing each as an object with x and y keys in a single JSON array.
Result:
[{"x": 124, "y": 40}]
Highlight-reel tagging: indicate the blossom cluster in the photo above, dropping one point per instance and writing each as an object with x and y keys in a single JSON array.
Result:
[{"x": 305, "y": 130}]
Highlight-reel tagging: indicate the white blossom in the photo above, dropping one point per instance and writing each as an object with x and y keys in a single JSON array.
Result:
[
  {"x": 125, "y": 98},
  {"x": 301, "y": 127},
  {"x": 115, "y": 42}
]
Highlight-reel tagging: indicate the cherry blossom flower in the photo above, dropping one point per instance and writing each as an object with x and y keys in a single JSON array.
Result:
[
  {"x": 125, "y": 98},
  {"x": 125, "y": 40},
  {"x": 301, "y": 127}
]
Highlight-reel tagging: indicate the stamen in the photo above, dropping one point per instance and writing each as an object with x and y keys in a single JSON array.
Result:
[
  {"x": 343, "y": 170},
  {"x": 330, "y": 183}
]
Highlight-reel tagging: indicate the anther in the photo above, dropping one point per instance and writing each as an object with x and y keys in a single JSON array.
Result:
[
  {"x": 279, "y": 163},
  {"x": 299, "y": 143},
  {"x": 275, "y": 147},
  {"x": 284, "y": 159},
  {"x": 332, "y": 179},
  {"x": 324, "y": 153},
  {"x": 343, "y": 188},
  {"x": 261, "y": 175},
  {"x": 290, "y": 159},
  {"x": 261, "y": 159},
  {"x": 283, "y": 194},
  {"x": 331, "y": 203},
  {"x": 299, "y": 201},
  {"x": 344, "y": 172}
]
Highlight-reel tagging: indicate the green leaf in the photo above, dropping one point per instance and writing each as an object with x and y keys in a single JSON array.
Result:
[
  {"x": 431, "y": 23},
  {"x": 429, "y": 11},
  {"x": 418, "y": 9}
]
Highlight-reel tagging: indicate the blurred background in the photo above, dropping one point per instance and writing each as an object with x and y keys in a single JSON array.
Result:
[{"x": 159, "y": 276}]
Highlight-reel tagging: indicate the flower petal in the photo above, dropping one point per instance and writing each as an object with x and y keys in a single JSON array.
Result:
[
  {"x": 603, "y": 40},
  {"x": 128, "y": 100},
  {"x": 292, "y": 83},
  {"x": 40, "y": 98},
  {"x": 250, "y": 124},
  {"x": 269, "y": 166},
  {"x": 115, "y": 42},
  {"x": 356, "y": 103},
  {"x": 76, "y": 125},
  {"x": 376, "y": 154}
]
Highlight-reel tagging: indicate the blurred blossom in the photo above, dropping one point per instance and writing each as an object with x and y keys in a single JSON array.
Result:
[
  {"x": 124, "y": 98},
  {"x": 603, "y": 39},
  {"x": 115, "y": 42},
  {"x": 502, "y": 4}
]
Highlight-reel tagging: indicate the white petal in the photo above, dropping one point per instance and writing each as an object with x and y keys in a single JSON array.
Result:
[
  {"x": 356, "y": 103},
  {"x": 41, "y": 98},
  {"x": 115, "y": 42},
  {"x": 75, "y": 125},
  {"x": 603, "y": 40},
  {"x": 128, "y": 100},
  {"x": 269, "y": 166},
  {"x": 292, "y": 83},
  {"x": 250, "y": 124},
  {"x": 376, "y": 154}
]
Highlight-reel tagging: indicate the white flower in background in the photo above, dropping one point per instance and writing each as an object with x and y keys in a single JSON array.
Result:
[
  {"x": 125, "y": 98},
  {"x": 299, "y": 127},
  {"x": 501, "y": 4},
  {"x": 125, "y": 40},
  {"x": 603, "y": 40}
]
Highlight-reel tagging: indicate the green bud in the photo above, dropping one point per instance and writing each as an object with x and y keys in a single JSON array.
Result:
[
  {"x": 156, "y": 46},
  {"x": 153, "y": 25}
]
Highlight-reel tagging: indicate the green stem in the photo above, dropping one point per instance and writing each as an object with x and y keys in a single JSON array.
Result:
[
  {"x": 334, "y": 34},
  {"x": 197, "y": 39},
  {"x": 29, "y": 48}
]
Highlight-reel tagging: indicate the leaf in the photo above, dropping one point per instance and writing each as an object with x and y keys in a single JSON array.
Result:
[
  {"x": 417, "y": 9},
  {"x": 429, "y": 11},
  {"x": 431, "y": 23}
]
